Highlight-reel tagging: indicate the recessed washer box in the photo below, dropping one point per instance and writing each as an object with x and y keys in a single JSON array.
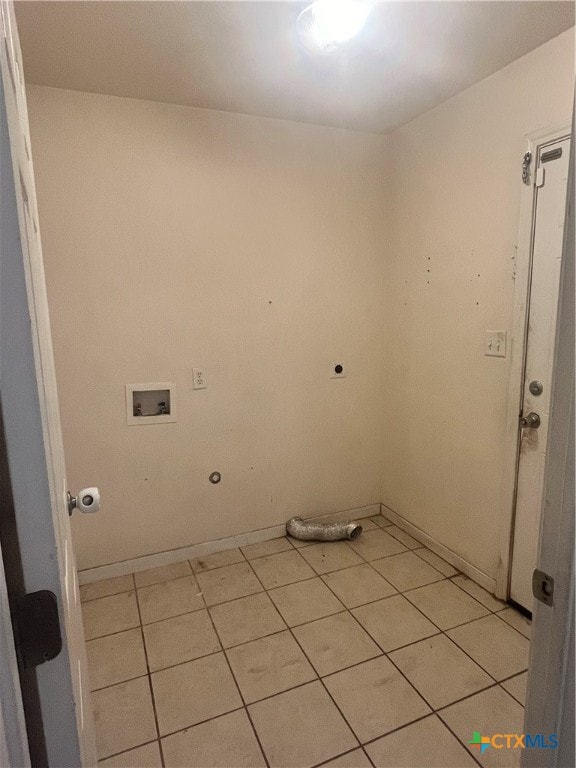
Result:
[{"x": 150, "y": 403}]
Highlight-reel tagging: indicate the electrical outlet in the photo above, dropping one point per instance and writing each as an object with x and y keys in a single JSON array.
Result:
[
  {"x": 199, "y": 378},
  {"x": 495, "y": 343},
  {"x": 338, "y": 370}
]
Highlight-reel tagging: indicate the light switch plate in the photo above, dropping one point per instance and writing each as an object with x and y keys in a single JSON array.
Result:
[{"x": 495, "y": 343}]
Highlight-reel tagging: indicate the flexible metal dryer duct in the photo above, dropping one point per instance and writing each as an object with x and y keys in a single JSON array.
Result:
[{"x": 308, "y": 531}]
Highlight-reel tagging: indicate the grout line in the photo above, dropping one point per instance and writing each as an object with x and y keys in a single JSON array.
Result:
[
  {"x": 147, "y": 624},
  {"x": 125, "y": 751},
  {"x": 150, "y": 682},
  {"x": 496, "y": 613},
  {"x": 458, "y": 573},
  {"x": 173, "y": 616},
  {"x": 398, "y": 728},
  {"x": 511, "y": 677},
  {"x": 512, "y": 695},
  {"x": 218, "y": 567},
  {"x": 445, "y": 724},
  {"x": 338, "y": 756},
  {"x": 167, "y": 581},
  {"x": 370, "y": 761},
  {"x": 459, "y": 740},
  {"x": 399, "y": 554},
  {"x": 112, "y": 594},
  {"x": 111, "y": 634},
  {"x": 261, "y": 637},
  {"x": 118, "y": 682},
  {"x": 203, "y": 722},
  {"x": 256, "y": 736},
  {"x": 103, "y": 597},
  {"x": 438, "y": 710}
]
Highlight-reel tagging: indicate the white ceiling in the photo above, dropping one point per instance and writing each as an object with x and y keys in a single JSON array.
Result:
[{"x": 244, "y": 56}]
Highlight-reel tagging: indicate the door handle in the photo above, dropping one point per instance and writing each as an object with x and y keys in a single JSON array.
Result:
[
  {"x": 88, "y": 500},
  {"x": 531, "y": 421}
]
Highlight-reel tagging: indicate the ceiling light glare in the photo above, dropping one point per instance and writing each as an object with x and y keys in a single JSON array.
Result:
[{"x": 327, "y": 24}]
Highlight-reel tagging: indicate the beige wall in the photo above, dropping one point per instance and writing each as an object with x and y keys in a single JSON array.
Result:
[
  {"x": 455, "y": 214},
  {"x": 177, "y": 237},
  {"x": 265, "y": 250}
]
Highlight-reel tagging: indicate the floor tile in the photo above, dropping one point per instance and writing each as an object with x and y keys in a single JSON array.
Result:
[
  {"x": 182, "y": 638},
  {"x": 305, "y": 601},
  {"x": 382, "y": 521},
  {"x": 484, "y": 597},
  {"x": 330, "y": 556},
  {"x": 425, "y": 744},
  {"x": 446, "y": 604},
  {"x": 248, "y": 618},
  {"x": 217, "y": 560},
  {"x": 375, "y": 698},
  {"x": 354, "y": 759},
  {"x": 162, "y": 573},
  {"x": 265, "y": 548},
  {"x": 123, "y": 717},
  {"x": 110, "y": 614},
  {"x": 228, "y": 583},
  {"x": 493, "y": 644},
  {"x": 394, "y": 622},
  {"x": 367, "y": 523},
  {"x": 359, "y": 585},
  {"x": 283, "y": 568},
  {"x": 299, "y": 543},
  {"x": 193, "y": 692},
  {"x": 403, "y": 537},
  {"x": 440, "y": 671},
  {"x": 220, "y": 743},
  {"x": 489, "y": 712},
  {"x": 516, "y": 686},
  {"x": 169, "y": 598},
  {"x": 106, "y": 587},
  {"x": 115, "y": 658},
  {"x": 516, "y": 620},
  {"x": 269, "y": 665},
  {"x": 374, "y": 544},
  {"x": 147, "y": 756},
  {"x": 335, "y": 642},
  {"x": 301, "y": 727},
  {"x": 437, "y": 562},
  {"x": 406, "y": 571}
]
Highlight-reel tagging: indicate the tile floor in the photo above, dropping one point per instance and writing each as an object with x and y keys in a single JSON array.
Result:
[{"x": 291, "y": 654}]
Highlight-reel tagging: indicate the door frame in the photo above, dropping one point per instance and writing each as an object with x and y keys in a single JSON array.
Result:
[
  {"x": 30, "y": 411},
  {"x": 550, "y": 689},
  {"x": 517, "y": 346}
]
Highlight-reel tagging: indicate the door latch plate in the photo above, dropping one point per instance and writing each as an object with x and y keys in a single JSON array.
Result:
[
  {"x": 36, "y": 627},
  {"x": 543, "y": 587}
]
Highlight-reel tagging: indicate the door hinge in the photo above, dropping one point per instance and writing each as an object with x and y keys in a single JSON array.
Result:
[
  {"x": 526, "y": 160},
  {"x": 543, "y": 587},
  {"x": 36, "y": 624}
]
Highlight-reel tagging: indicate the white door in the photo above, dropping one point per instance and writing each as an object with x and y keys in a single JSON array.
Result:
[
  {"x": 551, "y": 173},
  {"x": 31, "y": 417}
]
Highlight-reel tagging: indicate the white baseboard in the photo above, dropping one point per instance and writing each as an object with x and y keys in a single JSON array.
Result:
[
  {"x": 467, "y": 568},
  {"x": 137, "y": 564}
]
